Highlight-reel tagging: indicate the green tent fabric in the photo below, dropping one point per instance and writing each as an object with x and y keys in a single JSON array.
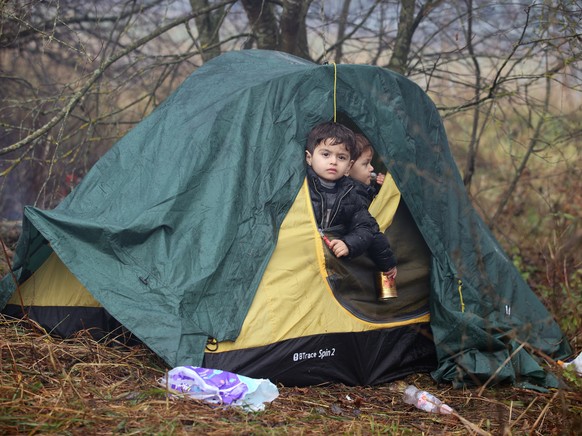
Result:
[{"x": 172, "y": 229}]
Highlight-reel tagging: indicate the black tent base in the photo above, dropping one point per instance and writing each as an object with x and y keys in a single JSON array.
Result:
[
  {"x": 354, "y": 359},
  {"x": 68, "y": 321}
]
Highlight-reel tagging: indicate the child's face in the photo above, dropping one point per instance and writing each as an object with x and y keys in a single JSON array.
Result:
[
  {"x": 330, "y": 162},
  {"x": 362, "y": 168}
]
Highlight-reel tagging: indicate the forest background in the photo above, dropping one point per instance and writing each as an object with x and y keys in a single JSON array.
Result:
[{"x": 75, "y": 76}]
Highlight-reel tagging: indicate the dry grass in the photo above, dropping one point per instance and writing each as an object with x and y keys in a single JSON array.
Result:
[{"x": 79, "y": 386}]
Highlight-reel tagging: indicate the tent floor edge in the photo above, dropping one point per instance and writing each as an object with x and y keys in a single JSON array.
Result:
[
  {"x": 354, "y": 358},
  {"x": 96, "y": 321}
]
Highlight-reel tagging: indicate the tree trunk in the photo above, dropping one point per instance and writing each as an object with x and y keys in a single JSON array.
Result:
[
  {"x": 341, "y": 30},
  {"x": 263, "y": 23},
  {"x": 407, "y": 25},
  {"x": 293, "y": 29},
  {"x": 474, "y": 144},
  {"x": 208, "y": 26},
  {"x": 399, "y": 57}
]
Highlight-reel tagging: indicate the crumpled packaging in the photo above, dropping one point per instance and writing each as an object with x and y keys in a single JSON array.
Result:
[{"x": 219, "y": 387}]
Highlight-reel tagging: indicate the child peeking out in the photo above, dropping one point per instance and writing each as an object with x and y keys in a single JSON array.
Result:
[
  {"x": 340, "y": 203},
  {"x": 361, "y": 171}
]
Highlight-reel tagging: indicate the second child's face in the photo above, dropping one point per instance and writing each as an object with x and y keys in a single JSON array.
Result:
[
  {"x": 330, "y": 162},
  {"x": 362, "y": 168}
]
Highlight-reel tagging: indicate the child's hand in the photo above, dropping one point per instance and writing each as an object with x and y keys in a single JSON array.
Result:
[
  {"x": 391, "y": 273},
  {"x": 339, "y": 248},
  {"x": 380, "y": 178}
]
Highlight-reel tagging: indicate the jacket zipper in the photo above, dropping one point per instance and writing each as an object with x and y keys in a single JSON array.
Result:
[
  {"x": 322, "y": 203},
  {"x": 323, "y": 208},
  {"x": 338, "y": 202}
]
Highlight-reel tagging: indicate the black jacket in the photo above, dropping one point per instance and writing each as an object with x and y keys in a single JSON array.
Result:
[
  {"x": 380, "y": 250},
  {"x": 349, "y": 219}
]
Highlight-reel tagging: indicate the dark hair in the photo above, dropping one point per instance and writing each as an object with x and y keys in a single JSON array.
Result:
[
  {"x": 362, "y": 144},
  {"x": 338, "y": 133}
]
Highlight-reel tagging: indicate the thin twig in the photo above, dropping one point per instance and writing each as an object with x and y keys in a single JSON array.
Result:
[
  {"x": 470, "y": 426},
  {"x": 529, "y": 406},
  {"x": 543, "y": 412},
  {"x": 498, "y": 370}
]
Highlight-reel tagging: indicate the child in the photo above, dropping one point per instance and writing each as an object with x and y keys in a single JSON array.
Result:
[
  {"x": 337, "y": 199},
  {"x": 361, "y": 171}
]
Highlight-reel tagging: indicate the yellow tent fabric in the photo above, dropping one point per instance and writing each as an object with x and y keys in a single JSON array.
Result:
[
  {"x": 53, "y": 285},
  {"x": 294, "y": 298}
]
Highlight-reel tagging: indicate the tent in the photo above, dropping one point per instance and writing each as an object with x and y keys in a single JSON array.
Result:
[{"x": 195, "y": 234}]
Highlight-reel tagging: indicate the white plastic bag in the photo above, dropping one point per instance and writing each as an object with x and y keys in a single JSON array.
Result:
[
  {"x": 575, "y": 363},
  {"x": 220, "y": 387}
]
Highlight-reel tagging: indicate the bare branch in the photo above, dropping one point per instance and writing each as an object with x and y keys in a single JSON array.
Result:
[
  {"x": 533, "y": 143},
  {"x": 77, "y": 96}
]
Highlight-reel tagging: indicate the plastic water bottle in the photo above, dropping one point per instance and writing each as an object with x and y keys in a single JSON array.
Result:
[{"x": 424, "y": 400}]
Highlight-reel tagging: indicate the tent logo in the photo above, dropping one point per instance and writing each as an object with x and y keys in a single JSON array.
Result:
[{"x": 322, "y": 354}]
